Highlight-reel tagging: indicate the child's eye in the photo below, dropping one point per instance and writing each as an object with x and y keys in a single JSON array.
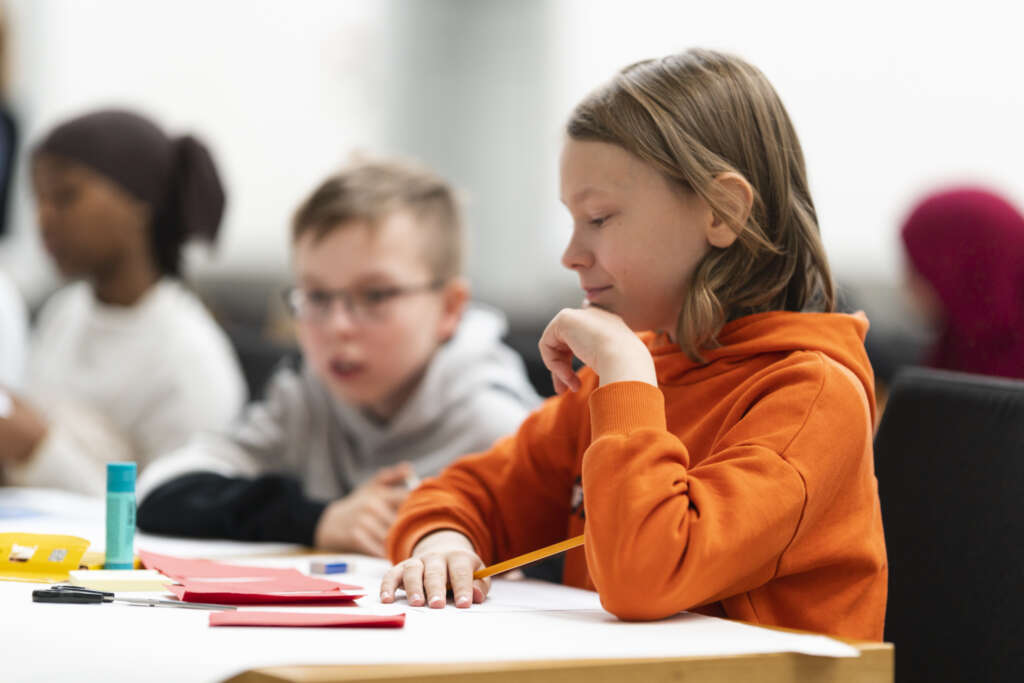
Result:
[
  {"x": 319, "y": 297},
  {"x": 375, "y": 297},
  {"x": 598, "y": 222}
]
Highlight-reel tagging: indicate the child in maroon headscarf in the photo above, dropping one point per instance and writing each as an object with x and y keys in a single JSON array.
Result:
[{"x": 965, "y": 250}]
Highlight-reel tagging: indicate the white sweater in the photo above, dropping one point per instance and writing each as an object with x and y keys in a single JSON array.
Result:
[
  {"x": 13, "y": 330},
  {"x": 124, "y": 383}
]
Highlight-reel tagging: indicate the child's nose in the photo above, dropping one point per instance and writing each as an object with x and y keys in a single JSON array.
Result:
[
  {"x": 341, "y": 318},
  {"x": 577, "y": 256}
]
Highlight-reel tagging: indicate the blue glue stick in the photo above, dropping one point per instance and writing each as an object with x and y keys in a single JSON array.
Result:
[{"x": 120, "y": 515}]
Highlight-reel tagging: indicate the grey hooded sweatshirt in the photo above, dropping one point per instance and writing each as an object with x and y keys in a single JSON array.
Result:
[{"x": 273, "y": 473}]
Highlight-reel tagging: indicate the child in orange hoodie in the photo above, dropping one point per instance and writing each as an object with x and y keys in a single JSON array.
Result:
[{"x": 722, "y": 462}]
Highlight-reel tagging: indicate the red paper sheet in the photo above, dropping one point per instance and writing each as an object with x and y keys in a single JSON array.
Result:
[
  {"x": 209, "y": 581},
  {"x": 275, "y": 584},
  {"x": 179, "y": 568},
  {"x": 305, "y": 619},
  {"x": 227, "y": 594}
]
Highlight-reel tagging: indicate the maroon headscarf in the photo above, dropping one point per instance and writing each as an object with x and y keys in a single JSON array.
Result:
[{"x": 969, "y": 244}]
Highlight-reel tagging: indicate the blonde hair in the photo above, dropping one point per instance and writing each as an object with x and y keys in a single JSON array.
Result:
[
  {"x": 694, "y": 116},
  {"x": 369, "y": 190}
]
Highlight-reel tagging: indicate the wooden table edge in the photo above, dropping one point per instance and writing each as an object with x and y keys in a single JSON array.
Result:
[{"x": 874, "y": 664}]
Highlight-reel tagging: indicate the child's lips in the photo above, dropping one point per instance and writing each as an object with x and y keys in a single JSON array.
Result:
[
  {"x": 345, "y": 369},
  {"x": 594, "y": 292}
]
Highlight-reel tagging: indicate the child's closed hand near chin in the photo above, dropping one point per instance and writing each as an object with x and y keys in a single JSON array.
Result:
[
  {"x": 602, "y": 341},
  {"x": 440, "y": 560}
]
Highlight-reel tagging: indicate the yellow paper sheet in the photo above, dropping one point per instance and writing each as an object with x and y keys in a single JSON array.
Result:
[{"x": 39, "y": 558}]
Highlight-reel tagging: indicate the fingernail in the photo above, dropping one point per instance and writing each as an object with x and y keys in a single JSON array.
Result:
[
  {"x": 385, "y": 596},
  {"x": 416, "y": 597},
  {"x": 436, "y": 601},
  {"x": 462, "y": 601}
]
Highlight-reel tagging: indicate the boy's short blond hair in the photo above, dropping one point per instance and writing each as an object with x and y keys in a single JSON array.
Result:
[{"x": 370, "y": 190}]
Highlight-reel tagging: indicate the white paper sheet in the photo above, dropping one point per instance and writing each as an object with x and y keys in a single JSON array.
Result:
[{"x": 521, "y": 620}]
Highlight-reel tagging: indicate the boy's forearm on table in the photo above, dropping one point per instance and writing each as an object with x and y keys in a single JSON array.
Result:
[{"x": 205, "y": 504}]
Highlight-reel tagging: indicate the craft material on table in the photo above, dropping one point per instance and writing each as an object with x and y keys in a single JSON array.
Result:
[
  {"x": 119, "y": 579},
  {"x": 39, "y": 558},
  {"x": 180, "y": 568},
  {"x": 86, "y": 596},
  {"x": 319, "y": 619},
  {"x": 529, "y": 558},
  {"x": 209, "y": 581},
  {"x": 253, "y": 594},
  {"x": 330, "y": 566}
]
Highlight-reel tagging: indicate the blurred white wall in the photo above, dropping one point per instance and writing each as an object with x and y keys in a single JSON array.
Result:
[
  {"x": 280, "y": 91},
  {"x": 890, "y": 99}
]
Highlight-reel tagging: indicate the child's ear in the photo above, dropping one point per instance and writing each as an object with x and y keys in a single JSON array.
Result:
[
  {"x": 454, "y": 298},
  {"x": 737, "y": 196}
]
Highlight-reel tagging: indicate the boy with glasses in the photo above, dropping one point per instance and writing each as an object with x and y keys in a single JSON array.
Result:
[{"x": 399, "y": 377}]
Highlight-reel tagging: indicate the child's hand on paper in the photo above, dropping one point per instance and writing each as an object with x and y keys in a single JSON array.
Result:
[
  {"x": 440, "y": 560},
  {"x": 359, "y": 522},
  {"x": 602, "y": 341}
]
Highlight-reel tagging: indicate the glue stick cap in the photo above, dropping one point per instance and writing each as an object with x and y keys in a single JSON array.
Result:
[{"x": 121, "y": 477}]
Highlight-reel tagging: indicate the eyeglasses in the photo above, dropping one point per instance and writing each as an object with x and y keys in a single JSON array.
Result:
[{"x": 363, "y": 305}]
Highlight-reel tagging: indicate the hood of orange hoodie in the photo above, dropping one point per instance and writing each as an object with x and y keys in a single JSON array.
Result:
[{"x": 840, "y": 336}]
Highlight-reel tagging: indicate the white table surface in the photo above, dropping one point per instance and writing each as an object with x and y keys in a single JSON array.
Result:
[{"x": 521, "y": 620}]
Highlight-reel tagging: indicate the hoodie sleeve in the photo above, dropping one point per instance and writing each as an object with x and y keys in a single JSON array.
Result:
[
  {"x": 509, "y": 499},
  {"x": 201, "y": 389},
  {"x": 255, "y": 443},
  {"x": 271, "y": 507},
  {"x": 236, "y": 485},
  {"x": 664, "y": 536},
  {"x": 74, "y": 455}
]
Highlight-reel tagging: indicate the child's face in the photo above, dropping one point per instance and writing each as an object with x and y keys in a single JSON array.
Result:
[
  {"x": 86, "y": 221},
  {"x": 372, "y": 356},
  {"x": 636, "y": 240}
]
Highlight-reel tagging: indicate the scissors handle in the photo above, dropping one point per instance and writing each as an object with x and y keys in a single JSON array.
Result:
[
  {"x": 65, "y": 596},
  {"x": 78, "y": 595}
]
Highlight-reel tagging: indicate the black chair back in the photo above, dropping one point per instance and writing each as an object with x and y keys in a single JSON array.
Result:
[{"x": 949, "y": 456}]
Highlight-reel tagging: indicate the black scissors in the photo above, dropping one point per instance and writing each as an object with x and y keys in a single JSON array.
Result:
[{"x": 83, "y": 596}]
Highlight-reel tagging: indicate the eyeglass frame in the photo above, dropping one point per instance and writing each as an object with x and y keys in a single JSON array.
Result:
[{"x": 360, "y": 312}]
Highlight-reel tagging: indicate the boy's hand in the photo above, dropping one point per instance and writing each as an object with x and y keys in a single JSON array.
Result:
[
  {"x": 601, "y": 340},
  {"x": 22, "y": 429},
  {"x": 440, "y": 560},
  {"x": 359, "y": 522}
]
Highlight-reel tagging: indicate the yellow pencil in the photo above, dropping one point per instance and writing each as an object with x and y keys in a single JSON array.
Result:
[{"x": 534, "y": 556}]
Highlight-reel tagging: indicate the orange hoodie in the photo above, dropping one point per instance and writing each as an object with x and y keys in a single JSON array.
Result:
[{"x": 743, "y": 487}]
